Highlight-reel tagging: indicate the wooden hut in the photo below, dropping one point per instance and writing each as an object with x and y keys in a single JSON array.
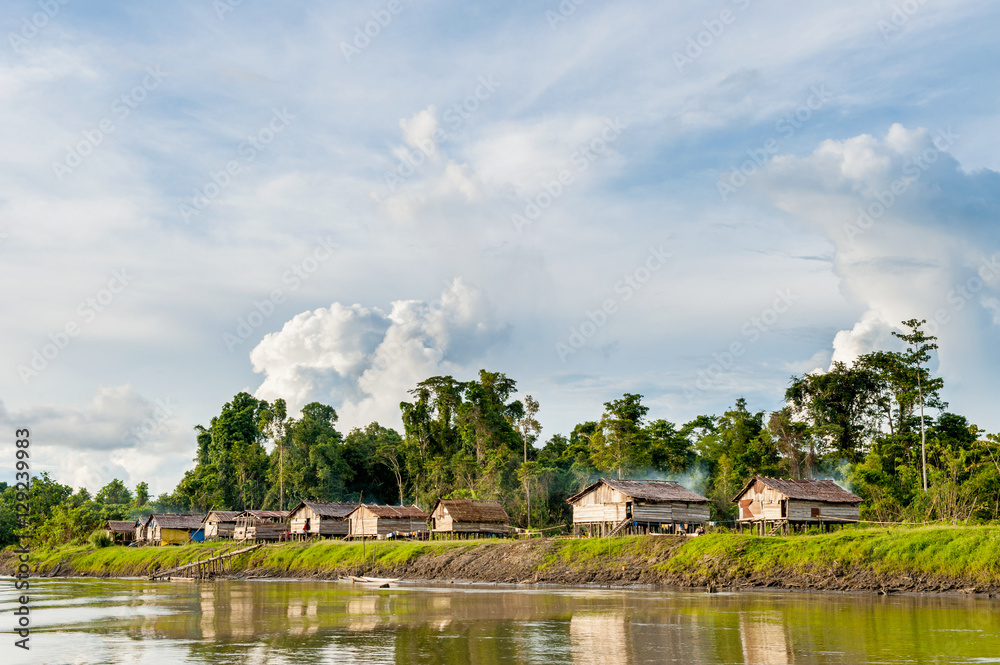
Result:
[
  {"x": 771, "y": 505},
  {"x": 468, "y": 517},
  {"x": 220, "y": 524},
  {"x": 609, "y": 507},
  {"x": 176, "y": 529},
  {"x": 373, "y": 521},
  {"x": 312, "y": 518},
  {"x": 121, "y": 532},
  {"x": 142, "y": 529},
  {"x": 261, "y": 525}
]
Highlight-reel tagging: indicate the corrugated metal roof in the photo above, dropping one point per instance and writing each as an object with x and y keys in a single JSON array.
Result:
[
  {"x": 467, "y": 510},
  {"x": 395, "y": 512},
  {"x": 339, "y": 510},
  {"x": 647, "y": 490},
  {"x": 268, "y": 514},
  {"x": 826, "y": 491},
  {"x": 224, "y": 515},
  {"x": 179, "y": 521},
  {"x": 120, "y": 526}
]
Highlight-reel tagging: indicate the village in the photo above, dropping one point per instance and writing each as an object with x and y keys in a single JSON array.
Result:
[{"x": 606, "y": 508}]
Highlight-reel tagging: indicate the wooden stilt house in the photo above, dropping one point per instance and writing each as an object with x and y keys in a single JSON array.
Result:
[
  {"x": 610, "y": 507},
  {"x": 261, "y": 525},
  {"x": 176, "y": 529},
  {"x": 220, "y": 524},
  {"x": 468, "y": 517},
  {"x": 374, "y": 521},
  {"x": 142, "y": 530},
  {"x": 771, "y": 505},
  {"x": 121, "y": 532},
  {"x": 312, "y": 518}
]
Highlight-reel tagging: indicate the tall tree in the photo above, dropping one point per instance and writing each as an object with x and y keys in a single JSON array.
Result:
[
  {"x": 919, "y": 346},
  {"x": 620, "y": 443}
]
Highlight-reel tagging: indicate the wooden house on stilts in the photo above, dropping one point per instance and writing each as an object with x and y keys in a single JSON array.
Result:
[
  {"x": 373, "y": 521},
  {"x": 121, "y": 532},
  {"x": 260, "y": 525},
  {"x": 466, "y": 518},
  {"x": 220, "y": 524},
  {"x": 609, "y": 507},
  {"x": 323, "y": 520},
  {"x": 770, "y": 505}
]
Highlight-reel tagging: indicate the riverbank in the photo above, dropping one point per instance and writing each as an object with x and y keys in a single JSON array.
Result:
[{"x": 932, "y": 559}]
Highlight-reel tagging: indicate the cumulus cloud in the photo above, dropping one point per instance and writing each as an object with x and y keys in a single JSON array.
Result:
[
  {"x": 914, "y": 234},
  {"x": 363, "y": 360},
  {"x": 118, "y": 434}
]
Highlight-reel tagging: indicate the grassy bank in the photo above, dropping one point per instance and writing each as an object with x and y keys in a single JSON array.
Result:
[{"x": 922, "y": 559}]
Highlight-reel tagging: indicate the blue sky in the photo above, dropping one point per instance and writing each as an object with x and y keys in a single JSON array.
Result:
[{"x": 552, "y": 193}]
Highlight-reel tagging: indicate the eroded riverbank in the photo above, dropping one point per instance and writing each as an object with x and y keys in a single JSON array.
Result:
[{"x": 942, "y": 559}]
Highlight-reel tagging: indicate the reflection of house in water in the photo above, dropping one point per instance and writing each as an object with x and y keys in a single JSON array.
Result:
[
  {"x": 599, "y": 639},
  {"x": 363, "y": 613},
  {"x": 764, "y": 639}
]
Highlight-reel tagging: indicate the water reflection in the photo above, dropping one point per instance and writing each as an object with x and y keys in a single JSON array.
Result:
[{"x": 92, "y": 621}]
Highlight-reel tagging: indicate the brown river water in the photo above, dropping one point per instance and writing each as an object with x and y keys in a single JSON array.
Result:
[{"x": 217, "y": 623}]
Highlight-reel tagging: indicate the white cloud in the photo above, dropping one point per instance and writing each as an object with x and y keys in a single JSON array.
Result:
[{"x": 362, "y": 360}]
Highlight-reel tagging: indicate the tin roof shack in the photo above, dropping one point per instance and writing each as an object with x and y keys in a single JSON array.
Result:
[
  {"x": 771, "y": 505},
  {"x": 465, "y": 516},
  {"x": 609, "y": 507},
  {"x": 176, "y": 529},
  {"x": 220, "y": 524},
  {"x": 312, "y": 518},
  {"x": 121, "y": 532},
  {"x": 373, "y": 521},
  {"x": 261, "y": 525}
]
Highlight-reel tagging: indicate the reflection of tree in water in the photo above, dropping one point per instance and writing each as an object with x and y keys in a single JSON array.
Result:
[{"x": 765, "y": 639}]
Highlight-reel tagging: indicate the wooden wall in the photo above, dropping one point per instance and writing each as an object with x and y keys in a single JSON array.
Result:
[
  {"x": 606, "y": 504},
  {"x": 318, "y": 525},
  {"x": 364, "y": 522},
  {"x": 766, "y": 505}
]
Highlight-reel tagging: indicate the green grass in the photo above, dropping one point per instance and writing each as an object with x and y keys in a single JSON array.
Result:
[{"x": 970, "y": 554}]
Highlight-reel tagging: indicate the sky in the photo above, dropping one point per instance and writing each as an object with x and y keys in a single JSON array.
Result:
[{"x": 334, "y": 201}]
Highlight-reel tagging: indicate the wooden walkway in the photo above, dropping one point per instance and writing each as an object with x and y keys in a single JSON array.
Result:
[{"x": 206, "y": 568}]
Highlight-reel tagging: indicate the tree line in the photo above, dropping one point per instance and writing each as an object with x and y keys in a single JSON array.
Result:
[{"x": 878, "y": 426}]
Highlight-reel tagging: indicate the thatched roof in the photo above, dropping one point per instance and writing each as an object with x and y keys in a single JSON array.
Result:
[
  {"x": 650, "y": 491},
  {"x": 120, "y": 526},
  {"x": 336, "y": 510},
  {"x": 189, "y": 522},
  {"x": 467, "y": 510},
  {"x": 395, "y": 512},
  {"x": 825, "y": 491}
]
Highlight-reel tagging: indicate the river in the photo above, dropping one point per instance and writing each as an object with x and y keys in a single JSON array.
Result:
[{"x": 303, "y": 622}]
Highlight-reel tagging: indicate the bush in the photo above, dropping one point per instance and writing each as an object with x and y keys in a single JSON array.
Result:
[{"x": 99, "y": 538}]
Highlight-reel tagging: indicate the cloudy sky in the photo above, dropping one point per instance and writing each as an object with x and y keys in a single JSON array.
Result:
[{"x": 333, "y": 201}]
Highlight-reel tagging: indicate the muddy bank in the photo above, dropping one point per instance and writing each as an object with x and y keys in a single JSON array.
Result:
[{"x": 878, "y": 562}]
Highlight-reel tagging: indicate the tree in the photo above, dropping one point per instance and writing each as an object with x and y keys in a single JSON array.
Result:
[
  {"x": 114, "y": 493},
  {"x": 529, "y": 428},
  {"x": 141, "y": 494},
  {"x": 670, "y": 449},
  {"x": 919, "y": 346},
  {"x": 620, "y": 443}
]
